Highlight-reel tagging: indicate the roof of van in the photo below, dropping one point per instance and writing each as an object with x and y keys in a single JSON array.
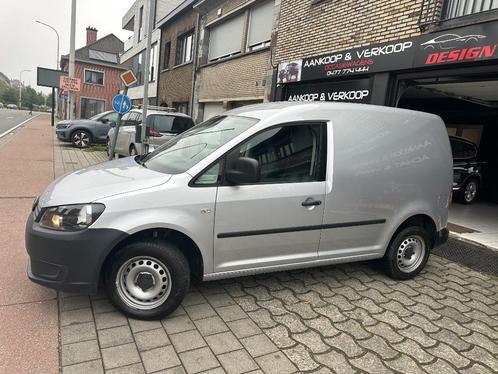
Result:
[
  {"x": 164, "y": 113},
  {"x": 286, "y": 108}
]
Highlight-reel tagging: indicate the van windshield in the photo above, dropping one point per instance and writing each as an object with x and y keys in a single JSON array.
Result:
[{"x": 185, "y": 150}]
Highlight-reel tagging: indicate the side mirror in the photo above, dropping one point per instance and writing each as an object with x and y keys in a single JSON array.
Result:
[
  {"x": 104, "y": 120},
  {"x": 244, "y": 170}
]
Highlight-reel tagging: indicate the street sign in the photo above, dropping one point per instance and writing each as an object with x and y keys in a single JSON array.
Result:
[
  {"x": 49, "y": 77},
  {"x": 121, "y": 104},
  {"x": 70, "y": 84},
  {"x": 128, "y": 78}
]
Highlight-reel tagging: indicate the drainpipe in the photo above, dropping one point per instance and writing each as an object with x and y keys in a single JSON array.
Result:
[{"x": 194, "y": 64}]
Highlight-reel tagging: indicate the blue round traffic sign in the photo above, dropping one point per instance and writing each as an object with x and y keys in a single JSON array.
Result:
[{"x": 121, "y": 104}]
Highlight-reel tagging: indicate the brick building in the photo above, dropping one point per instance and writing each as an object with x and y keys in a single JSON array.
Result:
[
  {"x": 438, "y": 56},
  {"x": 97, "y": 66},
  {"x": 233, "y": 66},
  {"x": 178, "y": 47}
]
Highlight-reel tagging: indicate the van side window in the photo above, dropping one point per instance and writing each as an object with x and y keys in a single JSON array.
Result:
[
  {"x": 462, "y": 149},
  {"x": 287, "y": 154}
]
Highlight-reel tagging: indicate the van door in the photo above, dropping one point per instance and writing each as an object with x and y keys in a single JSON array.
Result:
[{"x": 278, "y": 219}]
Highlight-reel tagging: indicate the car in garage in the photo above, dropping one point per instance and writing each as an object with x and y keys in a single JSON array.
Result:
[
  {"x": 467, "y": 170},
  {"x": 162, "y": 125},
  {"x": 84, "y": 132}
]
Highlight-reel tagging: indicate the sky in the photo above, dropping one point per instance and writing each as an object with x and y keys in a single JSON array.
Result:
[{"x": 25, "y": 44}]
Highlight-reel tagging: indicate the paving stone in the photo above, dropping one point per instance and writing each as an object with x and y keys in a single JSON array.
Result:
[
  {"x": 186, "y": 341},
  {"x": 448, "y": 354},
  {"x": 76, "y": 316},
  {"x": 174, "y": 370},
  {"x": 425, "y": 311},
  {"x": 138, "y": 325},
  {"x": 129, "y": 369},
  {"x": 160, "y": 358},
  {"x": 80, "y": 352},
  {"x": 231, "y": 313},
  {"x": 150, "y": 339},
  {"x": 413, "y": 349},
  {"x": 94, "y": 367},
  {"x": 102, "y": 306},
  {"x": 223, "y": 342},
  {"x": 120, "y": 355},
  {"x": 292, "y": 322},
  {"x": 258, "y": 345},
  {"x": 323, "y": 325},
  {"x": 404, "y": 364},
  {"x": 422, "y": 322},
  {"x": 312, "y": 340},
  {"x": 337, "y": 362},
  {"x": 243, "y": 328},
  {"x": 247, "y": 303},
  {"x": 346, "y": 344},
  {"x": 312, "y": 298},
  {"x": 362, "y": 316},
  {"x": 263, "y": 318},
  {"x": 260, "y": 293},
  {"x": 287, "y": 296},
  {"x": 178, "y": 324},
  {"x": 398, "y": 308},
  {"x": 198, "y": 360},
  {"x": 370, "y": 363},
  {"x": 115, "y": 336},
  {"x": 475, "y": 369},
  {"x": 301, "y": 357},
  {"x": 303, "y": 310},
  {"x": 212, "y": 325},
  {"x": 78, "y": 332},
  {"x": 482, "y": 341},
  {"x": 439, "y": 367},
  {"x": 200, "y": 311},
  {"x": 193, "y": 298},
  {"x": 378, "y": 345},
  {"x": 220, "y": 299},
  {"x": 384, "y": 330},
  {"x": 237, "y": 362},
  {"x": 482, "y": 328},
  {"x": 72, "y": 303},
  {"x": 280, "y": 336},
  {"x": 353, "y": 328},
  {"x": 110, "y": 319},
  {"x": 447, "y": 323},
  {"x": 482, "y": 356}
]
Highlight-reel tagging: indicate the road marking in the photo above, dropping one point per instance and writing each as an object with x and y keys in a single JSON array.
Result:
[{"x": 16, "y": 126}]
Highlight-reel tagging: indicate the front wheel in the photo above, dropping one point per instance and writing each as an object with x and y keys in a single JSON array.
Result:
[
  {"x": 469, "y": 191},
  {"x": 407, "y": 253},
  {"x": 81, "y": 138},
  {"x": 147, "y": 279}
]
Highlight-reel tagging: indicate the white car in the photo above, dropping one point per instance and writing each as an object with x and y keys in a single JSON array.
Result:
[{"x": 161, "y": 127}]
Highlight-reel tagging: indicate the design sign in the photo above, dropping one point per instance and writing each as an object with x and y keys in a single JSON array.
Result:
[{"x": 467, "y": 44}]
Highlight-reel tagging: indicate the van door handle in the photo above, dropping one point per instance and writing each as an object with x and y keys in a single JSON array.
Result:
[{"x": 311, "y": 202}]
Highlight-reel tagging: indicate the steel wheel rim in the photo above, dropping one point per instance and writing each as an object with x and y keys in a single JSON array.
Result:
[
  {"x": 143, "y": 282},
  {"x": 81, "y": 139},
  {"x": 411, "y": 253},
  {"x": 470, "y": 191}
]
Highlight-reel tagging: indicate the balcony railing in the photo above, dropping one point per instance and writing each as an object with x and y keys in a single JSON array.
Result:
[{"x": 435, "y": 11}]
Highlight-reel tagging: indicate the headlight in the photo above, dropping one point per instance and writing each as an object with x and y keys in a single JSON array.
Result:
[
  {"x": 71, "y": 217},
  {"x": 63, "y": 125}
]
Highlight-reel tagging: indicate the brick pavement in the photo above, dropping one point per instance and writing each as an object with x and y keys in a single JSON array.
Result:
[{"x": 343, "y": 319}]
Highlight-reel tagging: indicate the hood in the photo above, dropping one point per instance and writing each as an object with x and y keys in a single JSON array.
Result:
[
  {"x": 100, "y": 181},
  {"x": 78, "y": 122}
]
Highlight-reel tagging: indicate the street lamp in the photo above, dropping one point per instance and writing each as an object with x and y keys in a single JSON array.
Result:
[
  {"x": 20, "y": 86},
  {"x": 56, "y": 60}
]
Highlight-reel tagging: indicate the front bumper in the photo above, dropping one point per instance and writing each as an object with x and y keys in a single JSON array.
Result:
[
  {"x": 441, "y": 237},
  {"x": 63, "y": 134},
  {"x": 68, "y": 261}
]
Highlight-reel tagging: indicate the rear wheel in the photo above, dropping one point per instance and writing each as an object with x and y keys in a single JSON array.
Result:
[
  {"x": 407, "y": 253},
  {"x": 133, "y": 150},
  {"x": 81, "y": 138},
  {"x": 468, "y": 193},
  {"x": 147, "y": 279}
]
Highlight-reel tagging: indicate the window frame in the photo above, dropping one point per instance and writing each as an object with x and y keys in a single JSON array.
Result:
[
  {"x": 94, "y": 71},
  {"x": 466, "y": 143},
  {"x": 91, "y": 98},
  {"x": 166, "y": 58},
  {"x": 180, "y": 43},
  {"x": 222, "y": 182},
  {"x": 260, "y": 45}
]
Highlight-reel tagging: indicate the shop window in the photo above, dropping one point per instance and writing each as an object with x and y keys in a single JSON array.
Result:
[
  {"x": 91, "y": 107},
  {"x": 94, "y": 77},
  {"x": 184, "y": 48},
  {"x": 225, "y": 39},
  {"x": 260, "y": 25}
]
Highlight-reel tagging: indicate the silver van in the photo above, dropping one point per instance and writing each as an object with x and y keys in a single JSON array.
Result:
[{"x": 261, "y": 188}]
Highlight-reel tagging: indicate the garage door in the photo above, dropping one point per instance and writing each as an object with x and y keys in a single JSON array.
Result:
[{"x": 212, "y": 109}]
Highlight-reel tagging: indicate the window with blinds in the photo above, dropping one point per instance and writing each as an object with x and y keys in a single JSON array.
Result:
[
  {"x": 225, "y": 39},
  {"x": 260, "y": 25}
]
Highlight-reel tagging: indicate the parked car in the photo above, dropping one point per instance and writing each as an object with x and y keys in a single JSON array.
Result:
[
  {"x": 262, "y": 188},
  {"x": 1, "y": 105},
  {"x": 467, "y": 170},
  {"x": 11, "y": 106},
  {"x": 161, "y": 125},
  {"x": 83, "y": 132}
]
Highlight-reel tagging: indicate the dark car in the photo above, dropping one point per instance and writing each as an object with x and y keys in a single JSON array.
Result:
[
  {"x": 467, "y": 170},
  {"x": 83, "y": 132}
]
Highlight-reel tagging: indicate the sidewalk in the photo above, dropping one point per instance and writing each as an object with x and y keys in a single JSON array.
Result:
[{"x": 28, "y": 312}]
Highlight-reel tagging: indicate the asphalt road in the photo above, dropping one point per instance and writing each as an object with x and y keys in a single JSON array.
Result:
[{"x": 11, "y": 117}]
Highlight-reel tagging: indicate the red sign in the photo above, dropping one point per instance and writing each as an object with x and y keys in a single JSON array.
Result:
[
  {"x": 70, "y": 84},
  {"x": 128, "y": 78}
]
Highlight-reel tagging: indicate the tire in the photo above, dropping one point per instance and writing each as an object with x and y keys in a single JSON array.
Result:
[
  {"x": 469, "y": 191},
  {"x": 81, "y": 138},
  {"x": 108, "y": 146},
  {"x": 407, "y": 253},
  {"x": 133, "y": 151},
  {"x": 156, "y": 267}
]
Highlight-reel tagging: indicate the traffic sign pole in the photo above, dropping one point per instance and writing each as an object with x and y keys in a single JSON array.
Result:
[{"x": 118, "y": 125}]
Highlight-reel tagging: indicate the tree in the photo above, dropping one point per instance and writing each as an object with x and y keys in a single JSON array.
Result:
[{"x": 10, "y": 96}]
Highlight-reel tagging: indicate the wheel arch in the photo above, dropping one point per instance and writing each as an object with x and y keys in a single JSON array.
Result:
[
  {"x": 418, "y": 220},
  {"x": 180, "y": 239},
  {"x": 83, "y": 129}
]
